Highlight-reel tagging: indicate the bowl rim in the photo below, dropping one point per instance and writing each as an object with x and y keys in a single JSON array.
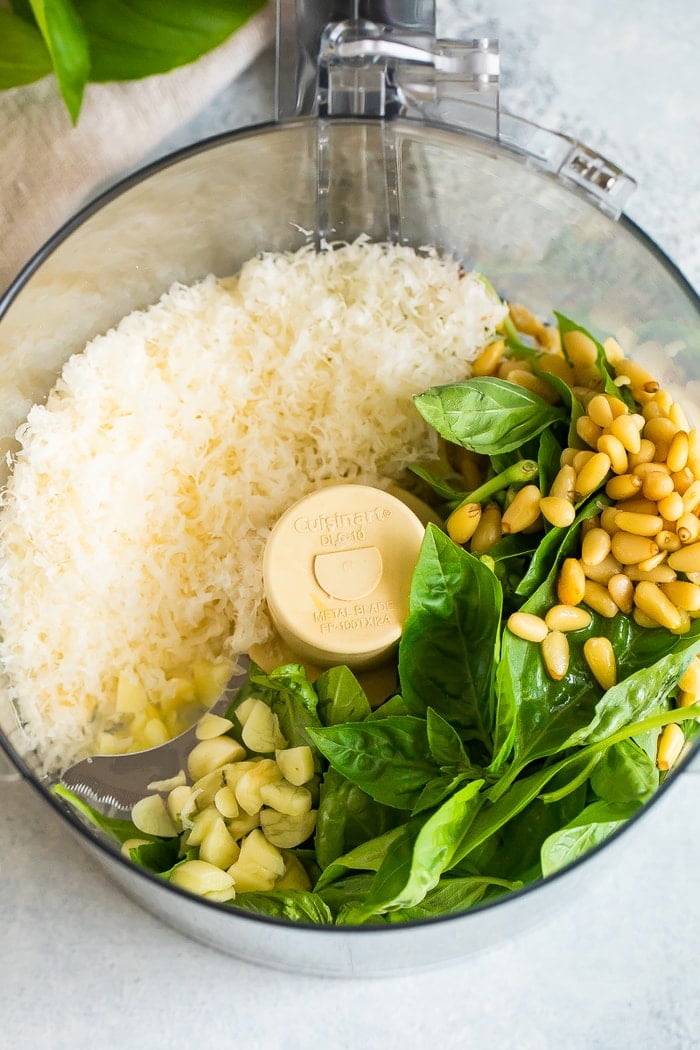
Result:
[{"x": 67, "y": 814}]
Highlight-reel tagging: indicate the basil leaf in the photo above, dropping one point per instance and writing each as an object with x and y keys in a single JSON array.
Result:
[
  {"x": 595, "y": 824},
  {"x": 295, "y": 905},
  {"x": 433, "y": 474},
  {"x": 64, "y": 35},
  {"x": 24, "y": 57},
  {"x": 415, "y": 863},
  {"x": 603, "y": 365},
  {"x": 158, "y": 856},
  {"x": 486, "y": 414},
  {"x": 341, "y": 698},
  {"x": 118, "y": 829},
  {"x": 129, "y": 41},
  {"x": 642, "y": 691},
  {"x": 290, "y": 695},
  {"x": 347, "y": 817},
  {"x": 454, "y": 895},
  {"x": 366, "y": 857},
  {"x": 625, "y": 773},
  {"x": 347, "y": 893},
  {"x": 447, "y": 651},
  {"x": 389, "y": 759}
]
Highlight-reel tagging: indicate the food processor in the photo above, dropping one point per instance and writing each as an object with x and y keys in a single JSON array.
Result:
[{"x": 381, "y": 131}]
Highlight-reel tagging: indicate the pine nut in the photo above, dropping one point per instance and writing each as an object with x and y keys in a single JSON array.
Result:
[
  {"x": 602, "y": 572},
  {"x": 646, "y": 454},
  {"x": 678, "y": 452},
  {"x": 623, "y": 486},
  {"x": 608, "y": 517},
  {"x": 592, "y": 475},
  {"x": 643, "y": 620},
  {"x": 555, "y": 654},
  {"x": 567, "y": 618},
  {"x": 523, "y": 511},
  {"x": 527, "y": 626},
  {"x": 600, "y": 658},
  {"x": 461, "y": 525},
  {"x": 671, "y": 506},
  {"x": 524, "y": 319},
  {"x": 651, "y": 600},
  {"x": 655, "y": 467},
  {"x": 581, "y": 458},
  {"x": 550, "y": 339},
  {"x": 638, "y": 505},
  {"x": 563, "y": 484},
  {"x": 683, "y": 479},
  {"x": 688, "y": 528},
  {"x": 687, "y": 559},
  {"x": 691, "y": 496},
  {"x": 678, "y": 417},
  {"x": 671, "y": 744},
  {"x": 659, "y": 430},
  {"x": 557, "y": 511},
  {"x": 694, "y": 444},
  {"x": 597, "y": 597},
  {"x": 656, "y": 484},
  {"x": 590, "y": 523},
  {"x": 664, "y": 400},
  {"x": 588, "y": 431},
  {"x": 552, "y": 364},
  {"x": 630, "y": 549},
  {"x": 488, "y": 531},
  {"x": 508, "y": 365},
  {"x": 652, "y": 409},
  {"x": 621, "y": 590},
  {"x": 595, "y": 546},
  {"x": 538, "y": 386},
  {"x": 487, "y": 362},
  {"x": 666, "y": 540},
  {"x": 686, "y": 698},
  {"x": 638, "y": 524},
  {"x": 571, "y": 584},
  {"x": 683, "y": 594},
  {"x": 613, "y": 350},
  {"x": 600, "y": 411},
  {"x": 625, "y": 429},
  {"x": 638, "y": 376},
  {"x": 689, "y": 681},
  {"x": 660, "y": 574},
  {"x": 650, "y": 564},
  {"x": 614, "y": 448},
  {"x": 580, "y": 349},
  {"x": 470, "y": 468}
]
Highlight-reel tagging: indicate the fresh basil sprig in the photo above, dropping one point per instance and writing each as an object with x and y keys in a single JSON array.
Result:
[{"x": 103, "y": 40}]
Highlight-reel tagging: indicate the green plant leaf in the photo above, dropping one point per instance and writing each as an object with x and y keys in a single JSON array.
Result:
[
  {"x": 347, "y": 817},
  {"x": 415, "y": 863},
  {"x": 132, "y": 40},
  {"x": 625, "y": 773},
  {"x": 448, "y": 648},
  {"x": 295, "y": 905},
  {"x": 591, "y": 827},
  {"x": 341, "y": 698},
  {"x": 453, "y": 895},
  {"x": 64, "y": 35},
  {"x": 486, "y": 415},
  {"x": 24, "y": 56},
  {"x": 389, "y": 759}
]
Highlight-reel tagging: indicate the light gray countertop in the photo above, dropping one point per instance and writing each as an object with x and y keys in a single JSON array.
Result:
[{"x": 82, "y": 966}]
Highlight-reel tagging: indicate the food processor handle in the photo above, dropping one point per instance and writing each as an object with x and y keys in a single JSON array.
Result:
[{"x": 301, "y": 25}]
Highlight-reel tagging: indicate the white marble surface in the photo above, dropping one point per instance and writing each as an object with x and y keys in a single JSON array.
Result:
[{"x": 81, "y": 966}]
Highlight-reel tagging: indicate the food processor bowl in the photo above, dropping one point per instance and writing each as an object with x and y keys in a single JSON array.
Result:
[{"x": 536, "y": 213}]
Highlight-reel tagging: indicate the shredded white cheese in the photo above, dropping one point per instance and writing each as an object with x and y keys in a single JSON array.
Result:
[{"x": 134, "y": 522}]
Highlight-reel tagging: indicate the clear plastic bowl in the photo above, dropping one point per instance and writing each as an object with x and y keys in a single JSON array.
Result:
[{"x": 208, "y": 209}]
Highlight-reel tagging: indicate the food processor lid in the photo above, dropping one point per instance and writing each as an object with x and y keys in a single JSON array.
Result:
[{"x": 383, "y": 60}]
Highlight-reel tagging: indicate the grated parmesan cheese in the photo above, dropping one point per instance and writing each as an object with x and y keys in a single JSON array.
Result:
[{"x": 134, "y": 522}]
